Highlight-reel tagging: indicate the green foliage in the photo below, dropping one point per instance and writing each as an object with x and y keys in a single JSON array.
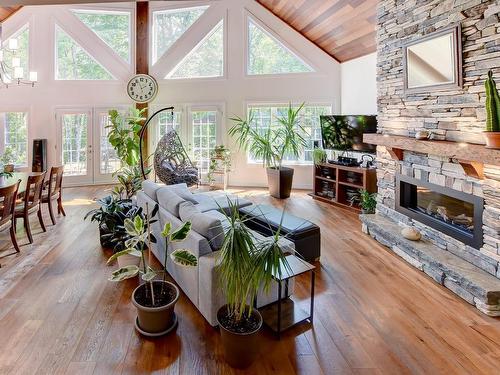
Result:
[
  {"x": 130, "y": 251},
  {"x": 219, "y": 154},
  {"x": 207, "y": 60},
  {"x": 124, "y": 134},
  {"x": 130, "y": 182},
  {"x": 22, "y": 52},
  {"x": 16, "y": 138},
  {"x": 492, "y": 105},
  {"x": 113, "y": 28},
  {"x": 170, "y": 25},
  {"x": 138, "y": 229},
  {"x": 319, "y": 156},
  {"x": 246, "y": 264},
  {"x": 184, "y": 257},
  {"x": 368, "y": 201},
  {"x": 74, "y": 63},
  {"x": 8, "y": 156},
  {"x": 268, "y": 56},
  {"x": 274, "y": 143}
]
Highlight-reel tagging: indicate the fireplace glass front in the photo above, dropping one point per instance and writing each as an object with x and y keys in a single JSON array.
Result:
[{"x": 449, "y": 211}]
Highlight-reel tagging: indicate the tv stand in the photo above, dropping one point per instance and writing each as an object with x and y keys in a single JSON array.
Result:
[{"x": 337, "y": 184}]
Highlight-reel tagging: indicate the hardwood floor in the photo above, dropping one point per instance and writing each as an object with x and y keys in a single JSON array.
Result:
[{"x": 374, "y": 314}]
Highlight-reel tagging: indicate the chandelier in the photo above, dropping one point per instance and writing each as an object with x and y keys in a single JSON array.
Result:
[{"x": 12, "y": 73}]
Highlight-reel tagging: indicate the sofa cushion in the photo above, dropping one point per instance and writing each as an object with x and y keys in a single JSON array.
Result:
[
  {"x": 183, "y": 191},
  {"x": 208, "y": 226},
  {"x": 169, "y": 200},
  {"x": 151, "y": 188}
]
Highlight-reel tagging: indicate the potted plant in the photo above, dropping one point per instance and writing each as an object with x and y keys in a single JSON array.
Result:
[
  {"x": 154, "y": 299},
  {"x": 7, "y": 160},
  {"x": 110, "y": 217},
  {"x": 368, "y": 201},
  {"x": 272, "y": 145},
  {"x": 244, "y": 265},
  {"x": 220, "y": 157},
  {"x": 492, "y": 133},
  {"x": 319, "y": 156}
]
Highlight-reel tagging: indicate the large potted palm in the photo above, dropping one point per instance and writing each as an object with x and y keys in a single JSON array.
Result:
[
  {"x": 272, "y": 145},
  {"x": 245, "y": 265}
]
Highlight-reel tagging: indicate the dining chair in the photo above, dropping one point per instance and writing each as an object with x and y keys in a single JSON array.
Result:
[
  {"x": 53, "y": 191},
  {"x": 8, "y": 196},
  {"x": 31, "y": 203}
]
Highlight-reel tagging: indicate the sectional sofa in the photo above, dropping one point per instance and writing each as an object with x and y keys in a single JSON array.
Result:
[{"x": 177, "y": 204}]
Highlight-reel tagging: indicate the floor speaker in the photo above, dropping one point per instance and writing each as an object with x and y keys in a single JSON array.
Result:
[{"x": 39, "y": 155}]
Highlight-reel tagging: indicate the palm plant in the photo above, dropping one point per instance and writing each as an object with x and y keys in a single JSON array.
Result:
[
  {"x": 246, "y": 264},
  {"x": 273, "y": 144}
]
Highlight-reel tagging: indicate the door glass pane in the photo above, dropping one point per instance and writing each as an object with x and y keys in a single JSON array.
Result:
[
  {"x": 204, "y": 137},
  {"x": 109, "y": 160},
  {"x": 74, "y": 144}
]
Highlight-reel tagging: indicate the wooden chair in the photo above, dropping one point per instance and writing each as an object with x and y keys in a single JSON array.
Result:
[
  {"x": 31, "y": 203},
  {"x": 53, "y": 192},
  {"x": 8, "y": 197}
]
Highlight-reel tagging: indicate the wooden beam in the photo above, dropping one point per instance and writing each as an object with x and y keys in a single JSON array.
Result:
[{"x": 142, "y": 54}]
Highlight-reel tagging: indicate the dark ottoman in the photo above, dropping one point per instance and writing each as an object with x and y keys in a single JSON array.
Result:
[{"x": 304, "y": 234}]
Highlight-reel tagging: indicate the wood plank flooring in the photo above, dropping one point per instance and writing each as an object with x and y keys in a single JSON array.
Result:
[{"x": 374, "y": 314}]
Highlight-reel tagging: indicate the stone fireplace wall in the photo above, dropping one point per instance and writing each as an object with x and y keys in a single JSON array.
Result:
[{"x": 455, "y": 115}]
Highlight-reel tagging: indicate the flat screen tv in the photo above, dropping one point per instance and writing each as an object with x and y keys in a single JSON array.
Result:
[{"x": 346, "y": 132}]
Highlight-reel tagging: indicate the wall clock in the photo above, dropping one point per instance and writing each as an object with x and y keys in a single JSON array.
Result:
[{"x": 142, "y": 88}]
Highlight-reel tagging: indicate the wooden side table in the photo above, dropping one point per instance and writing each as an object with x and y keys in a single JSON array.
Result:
[{"x": 285, "y": 313}]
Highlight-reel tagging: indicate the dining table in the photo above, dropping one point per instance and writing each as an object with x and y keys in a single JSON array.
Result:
[{"x": 16, "y": 176}]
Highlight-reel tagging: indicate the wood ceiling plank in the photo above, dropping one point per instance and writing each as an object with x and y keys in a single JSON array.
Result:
[
  {"x": 6, "y": 12},
  {"x": 345, "y": 29}
]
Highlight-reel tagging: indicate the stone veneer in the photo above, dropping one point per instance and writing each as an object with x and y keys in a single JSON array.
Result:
[{"x": 456, "y": 115}]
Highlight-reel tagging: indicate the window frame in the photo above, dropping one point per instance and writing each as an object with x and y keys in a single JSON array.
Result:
[
  {"x": 110, "y": 10},
  {"x": 224, "y": 76},
  {"x": 284, "y": 103},
  {"x": 251, "y": 17},
  {"x": 17, "y": 109}
]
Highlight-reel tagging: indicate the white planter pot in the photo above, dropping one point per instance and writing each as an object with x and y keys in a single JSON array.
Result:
[{"x": 128, "y": 260}]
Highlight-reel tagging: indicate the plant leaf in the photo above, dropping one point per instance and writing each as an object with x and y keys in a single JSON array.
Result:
[
  {"x": 129, "y": 251},
  {"x": 124, "y": 273},
  {"x": 139, "y": 224},
  {"x": 130, "y": 227},
  {"x": 148, "y": 276},
  {"x": 181, "y": 233},
  {"x": 184, "y": 257},
  {"x": 166, "y": 229}
]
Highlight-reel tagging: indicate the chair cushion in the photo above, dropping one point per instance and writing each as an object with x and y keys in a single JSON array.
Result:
[
  {"x": 169, "y": 200},
  {"x": 208, "y": 226},
  {"x": 20, "y": 209},
  {"x": 150, "y": 188}
]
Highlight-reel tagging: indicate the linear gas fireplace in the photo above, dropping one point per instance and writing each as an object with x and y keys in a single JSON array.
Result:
[{"x": 449, "y": 211}]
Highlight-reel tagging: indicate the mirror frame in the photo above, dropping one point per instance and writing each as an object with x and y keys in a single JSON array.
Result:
[{"x": 456, "y": 31}]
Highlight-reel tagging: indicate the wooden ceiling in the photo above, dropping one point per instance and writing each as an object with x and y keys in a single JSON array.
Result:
[
  {"x": 6, "y": 12},
  {"x": 345, "y": 29}
]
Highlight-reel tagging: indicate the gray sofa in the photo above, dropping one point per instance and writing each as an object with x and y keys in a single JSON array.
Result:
[{"x": 177, "y": 205}]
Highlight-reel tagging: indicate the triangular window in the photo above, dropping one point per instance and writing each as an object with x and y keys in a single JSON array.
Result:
[
  {"x": 111, "y": 26},
  {"x": 267, "y": 55},
  {"x": 21, "y": 54},
  {"x": 74, "y": 63},
  {"x": 169, "y": 25},
  {"x": 206, "y": 59}
]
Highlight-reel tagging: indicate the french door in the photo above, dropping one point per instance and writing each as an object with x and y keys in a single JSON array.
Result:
[{"x": 83, "y": 146}]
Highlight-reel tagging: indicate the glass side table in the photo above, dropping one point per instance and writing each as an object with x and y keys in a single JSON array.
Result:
[{"x": 285, "y": 313}]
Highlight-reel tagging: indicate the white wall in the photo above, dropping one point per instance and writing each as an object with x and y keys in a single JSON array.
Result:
[
  {"x": 359, "y": 86},
  {"x": 233, "y": 91}
]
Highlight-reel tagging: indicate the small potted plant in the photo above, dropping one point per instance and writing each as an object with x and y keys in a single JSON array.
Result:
[
  {"x": 245, "y": 266},
  {"x": 7, "y": 160},
  {"x": 319, "y": 156},
  {"x": 368, "y": 201},
  {"x": 492, "y": 133},
  {"x": 154, "y": 299},
  {"x": 272, "y": 146}
]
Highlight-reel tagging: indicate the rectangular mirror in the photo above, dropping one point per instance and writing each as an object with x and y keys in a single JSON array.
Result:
[{"x": 434, "y": 62}]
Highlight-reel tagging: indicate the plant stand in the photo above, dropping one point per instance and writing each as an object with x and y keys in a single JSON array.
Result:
[
  {"x": 285, "y": 313},
  {"x": 220, "y": 173}
]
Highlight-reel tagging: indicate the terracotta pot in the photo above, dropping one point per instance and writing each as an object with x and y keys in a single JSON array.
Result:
[
  {"x": 240, "y": 349},
  {"x": 280, "y": 182},
  {"x": 128, "y": 260},
  {"x": 156, "y": 321},
  {"x": 492, "y": 139}
]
